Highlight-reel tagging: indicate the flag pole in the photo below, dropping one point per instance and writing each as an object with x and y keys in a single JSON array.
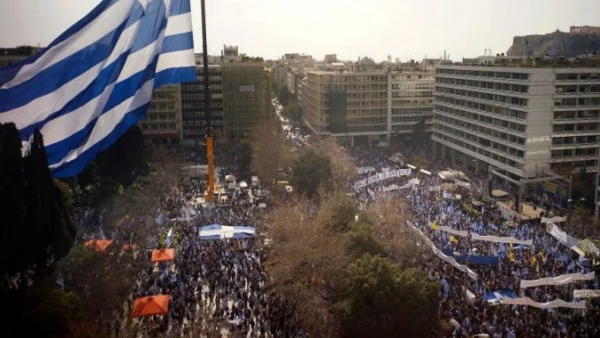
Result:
[{"x": 210, "y": 157}]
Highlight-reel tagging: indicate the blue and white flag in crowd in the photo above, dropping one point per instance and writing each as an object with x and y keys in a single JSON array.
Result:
[
  {"x": 95, "y": 81},
  {"x": 497, "y": 296}
]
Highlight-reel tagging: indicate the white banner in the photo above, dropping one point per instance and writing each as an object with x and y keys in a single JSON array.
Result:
[
  {"x": 381, "y": 176},
  {"x": 571, "y": 242},
  {"x": 555, "y": 219},
  {"x": 412, "y": 182},
  {"x": 586, "y": 293},
  {"x": 550, "y": 305},
  {"x": 363, "y": 170},
  {"x": 559, "y": 280},
  {"x": 477, "y": 237},
  {"x": 441, "y": 255},
  {"x": 463, "y": 184}
]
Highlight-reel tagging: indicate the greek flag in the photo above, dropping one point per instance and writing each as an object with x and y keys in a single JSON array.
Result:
[{"x": 95, "y": 81}]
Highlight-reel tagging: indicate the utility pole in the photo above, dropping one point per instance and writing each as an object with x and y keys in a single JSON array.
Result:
[{"x": 210, "y": 156}]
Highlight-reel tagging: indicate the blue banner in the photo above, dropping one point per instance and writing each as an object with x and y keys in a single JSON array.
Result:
[{"x": 477, "y": 260}]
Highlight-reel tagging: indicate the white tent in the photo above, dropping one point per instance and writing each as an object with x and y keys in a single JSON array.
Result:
[{"x": 218, "y": 231}]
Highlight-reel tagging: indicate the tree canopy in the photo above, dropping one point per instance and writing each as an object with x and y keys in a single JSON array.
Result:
[
  {"x": 310, "y": 171},
  {"x": 284, "y": 95},
  {"x": 36, "y": 227},
  {"x": 270, "y": 152},
  {"x": 380, "y": 298},
  {"x": 419, "y": 137}
]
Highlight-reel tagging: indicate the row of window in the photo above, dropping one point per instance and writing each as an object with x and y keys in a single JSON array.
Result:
[
  {"x": 578, "y": 89},
  {"x": 478, "y": 73},
  {"x": 464, "y": 128},
  {"x": 199, "y": 93},
  {"x": 572, "y": 140},
  {"x": 404, "y": 127},
  {"x": 163, "y": 95},
  {"x": 364, "y": 96},
  {"x": 515, "y": 101},
  {"x": 574, "y": 152},
  {"x": 366, "y": 120},
  {"x": 516, "y": 88},
  {"x": 412, "y": 111},
  {"x": 160, "y": 116},
  {"x": 356, "y": 87},
  {"x": 196, "y": 123},
  {"x": 583, "y": 127},
  {"x": 492, "y": 109},
  {"x": 581, "y": 101},
  {"x": 578, "y": 77},
  {"x": 161, "y": 105},
  {"x": 361, "y": 112},
  {"x": 406, "y": 118},
  {"x": 199, "y": 105},
  {"x": 370, "y": 128},
  {"x": 158, "y": 126},
  {"x": 472, "y": 147},
  {"x": 574, "y": 163},
  {"x": 579, "y": 114},
  {"x": 517, "y": 127},
  {"x": 412, "y": 94},
  {"x": 355, "y": 78},
  {"x": 407, "y": 86}
]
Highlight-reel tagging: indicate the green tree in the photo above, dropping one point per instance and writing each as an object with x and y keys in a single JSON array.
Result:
[
  {"x": 38, "y": 226},
  {"x": 310, "y": 171},
  {"x": 124, "y": 169},
  {"x": 292, "y": 112},
  {"x": 12, "y": 202},
  {"x": 362, "y": 240},
  {"x": 48, "y": 217},
  {"x": 284, "y": 95},
  {"x": 420, "y": 137},
  {"x": 244, "y": 156},
  {"x": 379, "y": 300}
]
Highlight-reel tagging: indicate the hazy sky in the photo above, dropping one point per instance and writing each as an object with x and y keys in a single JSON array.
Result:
[{"x": 349, "y": 28}]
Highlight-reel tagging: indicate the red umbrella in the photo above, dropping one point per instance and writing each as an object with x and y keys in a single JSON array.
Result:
[
  {"x": 98, "y": 244},
  {"x": 150, "y": 306},
  {"x": 162, "y": 255}
]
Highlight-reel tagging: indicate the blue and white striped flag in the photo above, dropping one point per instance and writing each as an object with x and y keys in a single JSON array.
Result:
[{"x": 95, "y": 80}]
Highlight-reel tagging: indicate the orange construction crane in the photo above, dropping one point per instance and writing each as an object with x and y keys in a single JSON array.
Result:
[{"x": 210, "y": 155}]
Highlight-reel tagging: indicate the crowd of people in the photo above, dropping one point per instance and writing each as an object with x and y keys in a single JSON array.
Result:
[
  {"x": 546, "y": 257},
  {"x": 216, "y": 287}
]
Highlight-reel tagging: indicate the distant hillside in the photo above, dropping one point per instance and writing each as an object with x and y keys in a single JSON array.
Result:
[{"x": 554, "y": 44}]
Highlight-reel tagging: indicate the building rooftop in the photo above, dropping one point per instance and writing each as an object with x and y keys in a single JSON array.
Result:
[{"x": 588, "y": 61}]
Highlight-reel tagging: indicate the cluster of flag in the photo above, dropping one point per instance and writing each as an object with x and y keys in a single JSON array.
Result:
[{"x": 95, "y": 81}]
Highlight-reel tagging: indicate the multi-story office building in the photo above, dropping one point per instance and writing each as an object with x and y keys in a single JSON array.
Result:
[
  {"x": 301, "y": 97},
  {"x": 291, "y": 81},
  {"x": 246, "y": 97},
  {"x": 163, "y": 119},
  {"x": 193, "y": 104},
  {"x": 366, "y": 106},
  {"x": 520, "y": 119}
]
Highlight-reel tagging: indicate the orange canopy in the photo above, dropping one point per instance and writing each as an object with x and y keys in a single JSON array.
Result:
[
  {"x": 150, "y": 306},
  {"x": 162, "y": 255},
  {"x": 98, "y": 244}
]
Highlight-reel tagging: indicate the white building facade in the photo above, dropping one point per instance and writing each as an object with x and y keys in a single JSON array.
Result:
[
  {"x": 521, "y": 120},
  {"x": 366, "y": 106}
]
